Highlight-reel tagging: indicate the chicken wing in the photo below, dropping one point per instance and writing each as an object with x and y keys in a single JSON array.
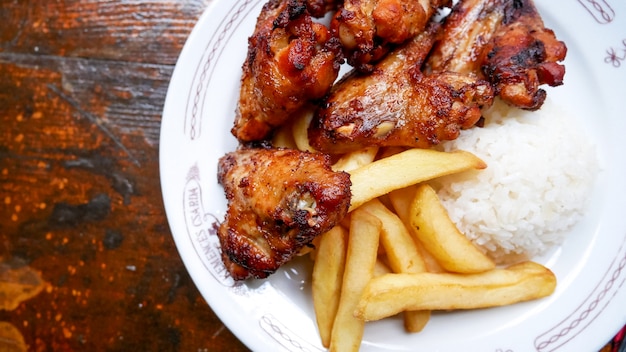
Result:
[
  {"x": 397, "y": 105},
  {"x": 522, "y": 56},
  {"x": 366, "y": 28},
  {"x": 291, "y": 60},
  {"x": 279, "y": 200},
  {"x": 506, "y": 42},
  {"x": 466, "y": 32}
]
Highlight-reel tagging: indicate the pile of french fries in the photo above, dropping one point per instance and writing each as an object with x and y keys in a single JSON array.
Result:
[{"x": 398, "y": 252}]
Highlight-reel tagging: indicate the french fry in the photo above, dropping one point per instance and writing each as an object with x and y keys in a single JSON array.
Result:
[
  {"x": 440, "y": 236},
  {"x": 381, "y": 267},
  {"x": 406, "y": 168},
  {"x": 283, "y": 137},
  {"x": 363, "y": 240},
  {"x": 402, "y": 254},
  {"x": 356, "y": 159},
  {"x": 401, "y": 200},
  {"x": 390, "y": 294},
  {"x": 311, "y": 249},
  {"x": 300, "y": 129},
  {"x": 416, "y": 320},
  {"x": 327, "y": 278}
]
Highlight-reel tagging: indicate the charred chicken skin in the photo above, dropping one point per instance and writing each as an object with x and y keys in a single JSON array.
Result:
[
  {"x": 397, "y": 105},
  {"x": 367, "y": 28},
  {"x": 506, "y": 42},
  {"x": 319, "y": 8},
  {"x": 279, "y": 200},
  {"x": 291, "y": 60}
]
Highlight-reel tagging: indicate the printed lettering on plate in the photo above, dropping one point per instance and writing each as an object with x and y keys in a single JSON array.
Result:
[{"x": 202, "y": 229}]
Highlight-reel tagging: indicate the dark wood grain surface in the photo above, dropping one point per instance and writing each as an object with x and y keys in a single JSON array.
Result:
[{"x": 86, "y": 253}]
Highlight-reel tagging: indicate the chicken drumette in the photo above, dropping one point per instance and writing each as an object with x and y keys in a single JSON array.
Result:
[
  {"x": 291, "y": 60},
  {"x": 397, "y": 105},
  {"x": 279, "y": 200}
]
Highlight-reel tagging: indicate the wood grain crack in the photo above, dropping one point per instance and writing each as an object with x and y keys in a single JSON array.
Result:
[{"x": 95, "y": 120}]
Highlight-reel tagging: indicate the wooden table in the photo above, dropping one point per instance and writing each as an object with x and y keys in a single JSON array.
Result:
[
  {"x": 87, "y": 261},
  {"x": 83, "y": 231}
]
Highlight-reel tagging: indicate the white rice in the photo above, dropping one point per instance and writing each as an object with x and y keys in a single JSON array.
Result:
[{"x": 541, "y": 168}]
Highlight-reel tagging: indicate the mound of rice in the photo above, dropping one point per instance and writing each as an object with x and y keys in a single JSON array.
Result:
[{"x": 541, "y": 168}]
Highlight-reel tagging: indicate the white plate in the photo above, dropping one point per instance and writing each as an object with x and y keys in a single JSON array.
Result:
[{"x": 589, "y": 305}]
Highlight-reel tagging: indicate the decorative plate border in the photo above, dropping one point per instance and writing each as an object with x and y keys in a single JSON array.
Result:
[
  {"x": 611, "y": 281},
  {"x": 204, "y": 71}
]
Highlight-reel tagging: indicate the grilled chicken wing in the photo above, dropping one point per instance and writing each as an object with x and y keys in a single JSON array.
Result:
[
  {"x": 278, "y": 201},
  {"x": 291, "y": 60},
  {"x": 466, "y": 31},
  {"x": 504, "y": 41},
  {"x": 397, "y": 105},
  {"x": 366, "y": 28},
  {"x": 522, "y": 56}
]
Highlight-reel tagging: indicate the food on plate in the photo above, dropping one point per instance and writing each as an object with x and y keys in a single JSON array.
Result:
[
  {"x": 356, "y": 159},
  {"x": 402, "y": 255},
  {"x": 404, "y": 169},
  {"x": 368, "y": 28},
  {"x": 380, "y": 175},
  {"x": 279, "y": 200},
  {"x": 319, "y": 8},
  {"x": 299, "y": 127},
  {"x": 484, "y": 48},
  {"x": 382, "y": 255},
  {"x": 399, "y": 247},
  {"x": 397, "y": 105},
  {"x": 291, "y": 60},
  {"x": 400, "y": 201},
  {"x": 522, "y": 56},
  {"x": 361, "y": 257},
  {"x": 432, "y": 226},
  {"x": 541, "y": 173},
  {"x": 504, "y": 42},
  {"x": 466, "y": 31},
  {"x": 327, "y": 278},
  {"x": 390, "y": 294}
]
